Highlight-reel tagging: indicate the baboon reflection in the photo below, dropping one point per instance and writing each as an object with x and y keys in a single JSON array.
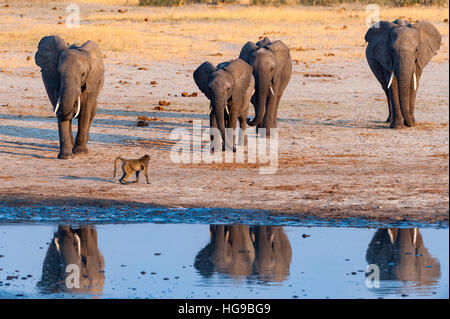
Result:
[
  {"x": 76, "y": 246},
  {"x": 240, "y": 251},
  {"x": 401, "y": 255}
]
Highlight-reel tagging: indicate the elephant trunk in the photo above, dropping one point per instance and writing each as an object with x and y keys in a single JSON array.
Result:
[
  {"x": 261, "y": 94},
  {"x": 405, "y": 76},
  {"x": 69, "y": 96},
  {"x": 220, "y": 103}
]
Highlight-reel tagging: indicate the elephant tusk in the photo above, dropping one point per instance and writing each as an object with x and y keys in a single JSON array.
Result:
[
  {"x": 210, "y": 109},
  {"x": 415, "y": 81},
  {"x": 78, "y": 244},
  {"x": 271, "y": 91},
  {"x": 57, "y": 106},
  {"x": 415, "y": 237},
  {"x": 226, "y": 108},
  {"x": 390, "y": 80},
  {"x": 391, "y": 236},
  {"x": 56, "y": 241},
  {"x": 78, "y": 111}
]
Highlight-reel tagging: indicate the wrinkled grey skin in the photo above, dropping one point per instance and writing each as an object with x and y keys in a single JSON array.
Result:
[
  {"x": 69, "y": 73},
  {"x": 272, "y": 67},
  {"x": 76, "y": 247},
  {"x": 243, "y": 251},
  {"x": 273, "y": 253},
  {"x": 404, "y": 49},
  {"x": 230, "y": 85},
  {"x": 230, "y": 251},
  {"x": 401, "y": 255}
]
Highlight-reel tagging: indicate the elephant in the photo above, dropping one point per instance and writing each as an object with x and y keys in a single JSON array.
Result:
[
  {"x": 243, "y": 251},
  {"x": 73, "y": 77},
  {"x": 401, "y": 255},
  {"x": 397, "y": 53},
  {"x": 78, "y": 247},
  {"x": 229, "y": 87},
  {"x": 230, "y": 251},
  {"x": 273, "y": 253},
  {"x": 272, "y": 69}
]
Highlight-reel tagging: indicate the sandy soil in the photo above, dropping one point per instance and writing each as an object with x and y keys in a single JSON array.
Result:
[{"x": 337, "y": 157}]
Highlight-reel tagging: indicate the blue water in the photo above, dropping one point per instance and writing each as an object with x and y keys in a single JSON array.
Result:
[{"x": 217, "y": 261}]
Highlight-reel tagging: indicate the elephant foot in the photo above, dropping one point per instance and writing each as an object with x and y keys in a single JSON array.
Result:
[
  {"x": 410, "y": 123},
  {"x": 65, "y": 155},
  {"x": 397, "y": 125},
  {"x": 80, "y": 150},
  {"x": 389, "y": 119}
]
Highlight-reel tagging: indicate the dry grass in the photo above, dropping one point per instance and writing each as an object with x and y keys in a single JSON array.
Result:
[{"x": 196, "y": 32}]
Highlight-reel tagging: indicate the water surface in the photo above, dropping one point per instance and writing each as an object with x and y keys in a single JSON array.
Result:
[{"x": 151, "y": 260}]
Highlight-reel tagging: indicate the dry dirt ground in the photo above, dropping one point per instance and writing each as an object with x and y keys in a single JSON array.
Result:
[{"x": 337, "y": 158}]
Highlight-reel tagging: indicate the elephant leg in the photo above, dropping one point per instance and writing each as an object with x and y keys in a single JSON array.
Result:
[
  {"x": 233, "y": 119},
  {"x": 243, "y": 140},
  {"x": 391, "y": 111},
  {"x": 84, "y": 121},
  {"x": 215, "y": 143},
  {"x": 71, "y": 134},
  {"x": 270, "y": 117},
  {"x": 397, "y": 119},
  {"x": 65, "y": 143},
  {"x": 412, "y": 103}
]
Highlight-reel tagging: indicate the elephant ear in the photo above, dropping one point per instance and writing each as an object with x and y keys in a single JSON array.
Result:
[
  {"x": 430, "y": 42},
  {"x": 263, "y": 42},
  {"x": 247, "y": 51},
  {"x": 223, "y": 65},
  {"x": 402, "y": 22},
  {"x": 201, "y": 77},
  {"x": 242, "y": 76},
  {"x": 95, "y": 78},
  {"x": 377, "y": 37},
  {"x": 46, "y": 57}
]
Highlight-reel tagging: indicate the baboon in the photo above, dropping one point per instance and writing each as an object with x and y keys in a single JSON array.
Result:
[{"x": 132, "y": 165}]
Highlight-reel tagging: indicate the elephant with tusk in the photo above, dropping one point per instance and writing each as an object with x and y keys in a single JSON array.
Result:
[
  {"x": 401, "y": 255},
  {"x": 272, "y": 69},
  {"x": 397, "y": 53},
  {"x": 229, "y": 87},
  {"x": 73, "y": 78},
  {"x": 75, "y": 247}
]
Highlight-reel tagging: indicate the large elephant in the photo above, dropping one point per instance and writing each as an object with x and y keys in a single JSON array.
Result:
[
  {"x": 73, "y": 77},
  {"x": 243, "y": 251},
  {"x": 229, "y": 87},
  {"x": 73, "y": 247},
  {"x": 401, "y": 255},
  {"x": 230, "y": 251},
  {"x": 272, "y": 69},
  {"x": 273, "y": 253},
  {"x": 397, "y": 53}
]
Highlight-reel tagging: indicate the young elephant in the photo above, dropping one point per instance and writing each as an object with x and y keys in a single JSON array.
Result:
[
  {"x": 229, "y": 87},
  {"x": 73, "y": 77},
  {"x": 397, "y": 53},
  {"x": 272, "y": 69}
]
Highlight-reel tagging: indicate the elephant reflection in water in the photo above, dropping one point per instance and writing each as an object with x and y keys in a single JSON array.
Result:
[
  {"x": 401, "y": 255},
  {"x": 240, "y": 251},
  {"x": 78, "y": 247}
]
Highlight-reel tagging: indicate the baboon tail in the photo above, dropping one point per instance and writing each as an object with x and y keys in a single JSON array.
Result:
[{"x": 115, "y": 164}]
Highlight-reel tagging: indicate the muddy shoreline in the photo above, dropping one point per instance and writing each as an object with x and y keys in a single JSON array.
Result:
[{"x": 97, "y": 210}]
